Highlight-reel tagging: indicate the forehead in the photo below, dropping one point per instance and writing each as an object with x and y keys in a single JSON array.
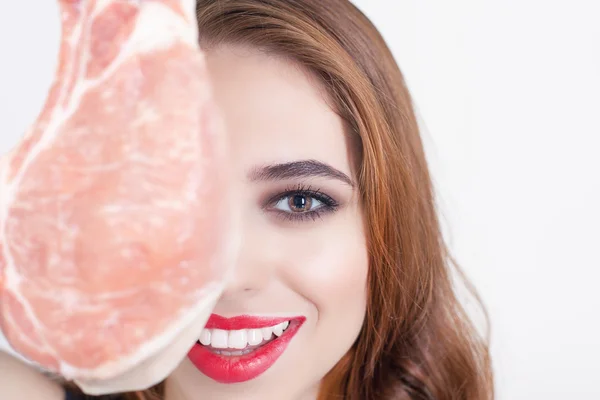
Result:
[{"x": 274, "y": 111}]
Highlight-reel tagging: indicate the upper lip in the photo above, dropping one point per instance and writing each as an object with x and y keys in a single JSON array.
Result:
[{"x": 244, "y": 322}]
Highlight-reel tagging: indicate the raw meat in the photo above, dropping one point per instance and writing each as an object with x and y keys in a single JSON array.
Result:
[{"x": 115, "y": 207}]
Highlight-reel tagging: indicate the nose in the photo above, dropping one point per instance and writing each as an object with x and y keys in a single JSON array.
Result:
[{"x": 257, "y": 261}]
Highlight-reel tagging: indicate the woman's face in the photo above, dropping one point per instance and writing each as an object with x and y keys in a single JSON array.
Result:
[{"x": 303, "y": 257}]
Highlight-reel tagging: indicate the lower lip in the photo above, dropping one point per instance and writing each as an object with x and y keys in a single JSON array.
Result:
[{"x": 235, "y": 369}]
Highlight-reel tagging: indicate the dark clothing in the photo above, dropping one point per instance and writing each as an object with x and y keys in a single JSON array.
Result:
[{"x": 72, "y": 396}]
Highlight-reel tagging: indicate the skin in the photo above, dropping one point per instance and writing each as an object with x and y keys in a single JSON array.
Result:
[
  {"x": 276, "y": 113},
  {"x": 312, "y": 265},
  {"x": 20, "y": 381}
]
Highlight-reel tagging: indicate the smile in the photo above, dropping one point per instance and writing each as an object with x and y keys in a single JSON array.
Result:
[{"x": 232, "y": 350}]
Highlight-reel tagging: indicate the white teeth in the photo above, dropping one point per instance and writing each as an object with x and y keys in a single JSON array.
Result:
[
  {"x": 205, "y": 337},
  {"x": 233, "y": 353},
  {"x": 219, "y": 338},
  {"x": 278, "y": 330},
  {"x": 239, "y": 339},
  {"x": 266, "y": 333},
  {"x": 254, "y": 337}
]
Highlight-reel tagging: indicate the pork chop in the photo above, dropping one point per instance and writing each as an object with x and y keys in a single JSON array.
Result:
[{"x": 115, "y": 206}]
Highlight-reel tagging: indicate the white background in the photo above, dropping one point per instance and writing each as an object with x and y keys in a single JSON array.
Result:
[{"x": 509, "y": 96}]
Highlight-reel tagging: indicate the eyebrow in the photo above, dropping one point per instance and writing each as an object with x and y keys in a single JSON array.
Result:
[{"x": 298, "y": 169}]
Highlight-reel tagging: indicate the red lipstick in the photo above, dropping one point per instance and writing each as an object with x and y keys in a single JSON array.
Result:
[{"x": 235, "y": 369}]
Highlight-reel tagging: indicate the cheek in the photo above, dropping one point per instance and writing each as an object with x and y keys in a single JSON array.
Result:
[
  {"x": 329, "y": 269},
  {"x": 330, "y": 272}
]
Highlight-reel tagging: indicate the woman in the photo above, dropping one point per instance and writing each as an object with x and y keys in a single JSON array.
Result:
[{"x": 341, "y": 236}]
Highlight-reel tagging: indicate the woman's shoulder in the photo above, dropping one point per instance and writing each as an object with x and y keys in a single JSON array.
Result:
[{"x": 20, "y": 381}]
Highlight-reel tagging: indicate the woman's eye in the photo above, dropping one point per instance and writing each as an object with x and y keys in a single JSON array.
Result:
[
  {"x": 301, "y": 204},
  {"x": 298, "y": 203}
]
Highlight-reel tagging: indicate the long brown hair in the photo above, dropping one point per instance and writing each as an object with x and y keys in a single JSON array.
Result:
[{"x": 417, "y": 341}]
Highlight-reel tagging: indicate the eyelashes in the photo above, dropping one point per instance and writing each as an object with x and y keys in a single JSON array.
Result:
[{"x": 301, "y": 203}]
